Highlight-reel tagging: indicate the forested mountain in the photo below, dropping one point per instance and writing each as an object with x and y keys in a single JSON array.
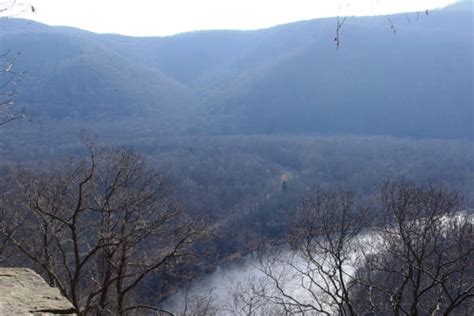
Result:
[
  {"x": 283, "y": 80},
  {"x": 146, "y": 163}
]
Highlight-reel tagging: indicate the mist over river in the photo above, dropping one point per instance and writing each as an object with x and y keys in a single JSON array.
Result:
[{"x": 238, "y": 287}]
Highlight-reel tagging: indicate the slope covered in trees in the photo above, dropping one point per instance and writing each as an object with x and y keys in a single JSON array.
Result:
[
  {"x": 236, "y": 129},
  {"x": 286, "y": 79}
]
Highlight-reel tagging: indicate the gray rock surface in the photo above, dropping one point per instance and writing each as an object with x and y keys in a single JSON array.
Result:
[{"x": 24, "y": 292}]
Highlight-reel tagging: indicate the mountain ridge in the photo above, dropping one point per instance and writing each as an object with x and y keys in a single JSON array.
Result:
[{"x": 285, "y": 79}]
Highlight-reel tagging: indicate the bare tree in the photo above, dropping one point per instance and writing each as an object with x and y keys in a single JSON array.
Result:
[
  {"x": 200, "y": 304},
  {"x": 415, "y": 259},
  {"x": 97, "y": 228},
  {"x": 247, "y": 297},
  {"x": 316, "y": 277},
  {"x": 9, "y": 75},
  {"x": 340, "y": 23},
  {"x": 423, "y": 264}
]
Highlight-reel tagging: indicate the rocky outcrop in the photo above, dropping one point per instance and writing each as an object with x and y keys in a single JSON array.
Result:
[{"x": 24, "y": 292}]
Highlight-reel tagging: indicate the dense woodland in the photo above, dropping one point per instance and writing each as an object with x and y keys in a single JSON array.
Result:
[
  {"x": 109, "y": 232},
  {"x": 246, "y": 179},
  {"x": 132, "y": 167},
  {"x": 247, "y": 189}
]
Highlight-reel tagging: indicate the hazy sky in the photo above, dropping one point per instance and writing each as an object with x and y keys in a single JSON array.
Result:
[{"x": 166, "y": 17}]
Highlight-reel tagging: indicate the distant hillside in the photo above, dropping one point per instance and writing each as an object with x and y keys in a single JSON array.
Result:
[{"x": 286, "y": 79}]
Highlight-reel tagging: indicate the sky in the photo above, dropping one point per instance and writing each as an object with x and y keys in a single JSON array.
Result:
[{"x": 168, "y": 17}]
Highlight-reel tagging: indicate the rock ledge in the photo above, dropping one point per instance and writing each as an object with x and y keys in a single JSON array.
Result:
[{"x": 24, "y": 292}]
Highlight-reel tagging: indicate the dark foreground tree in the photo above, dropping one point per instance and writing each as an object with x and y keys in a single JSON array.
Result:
[
  {"x": 315, "y": 277},
  {"x": 422, "y": 262},
  {"x": 414, "y": 257},
  {"x": 97, "y": 228}
]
